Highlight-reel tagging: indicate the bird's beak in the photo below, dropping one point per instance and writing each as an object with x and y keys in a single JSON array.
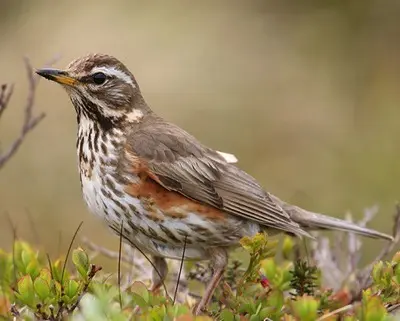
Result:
[{"x": 56, "y": 75}]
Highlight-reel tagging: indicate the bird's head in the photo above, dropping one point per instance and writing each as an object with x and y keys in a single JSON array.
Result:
[{"x": 102, "y": 89}]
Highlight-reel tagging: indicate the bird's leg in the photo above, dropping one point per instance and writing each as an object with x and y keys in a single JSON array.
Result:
[
  {"x": 219, "y": 259},
  {"x": 161, "y": 264}
]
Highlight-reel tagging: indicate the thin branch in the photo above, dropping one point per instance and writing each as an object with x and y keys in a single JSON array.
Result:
[
  {"x": 393, "y": 309},
  {"x": 110, "y": 254},
  {"x": 340, "y": 259},
  {"x": 180, "y": 271},
  {"x": 61, "y": 306},
  {"x": 69, "y": 251},
  {"x": 364, "y": 276},
  {"x": 30, "y": 121},
  {"x": 336, "y": 312},
  {"x": 6, "y": 92},
  {"x": 133, "y": 244}
]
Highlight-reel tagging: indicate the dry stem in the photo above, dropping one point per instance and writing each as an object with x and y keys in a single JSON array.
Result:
[{"x": 30, "y": 121}]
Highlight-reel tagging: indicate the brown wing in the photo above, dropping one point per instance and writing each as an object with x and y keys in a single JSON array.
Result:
[{"x": 180, "y": 163}]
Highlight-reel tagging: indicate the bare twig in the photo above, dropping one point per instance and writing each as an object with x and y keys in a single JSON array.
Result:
[
  {"x": 61, "y": 306},
  {"x": 364, "y": 275},
  {"x": 30, "y": 121},
  {"x": 393, "y": 309},
  {"x": 69, "y": 251},
  {"x": 180, "y": 272},
  {"x": 340, "y": 258},
  {"x": 341, "y": 261},
  {"x": 336, "y": 312},
  {"x": 5, "y": 95},
  {"x": 111, "y": 254},
  {"x": 130, "y": 252}
]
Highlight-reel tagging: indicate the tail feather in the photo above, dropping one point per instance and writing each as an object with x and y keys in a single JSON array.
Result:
[
  {"x": 310, "y": 220},
  {"x": 315, "y": 221}
]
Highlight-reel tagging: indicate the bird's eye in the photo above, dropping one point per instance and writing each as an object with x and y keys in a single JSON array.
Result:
[{"x": 99, "y": 78}]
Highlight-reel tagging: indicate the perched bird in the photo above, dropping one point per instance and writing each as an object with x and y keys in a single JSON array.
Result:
[{"x": 159, "y": 185}]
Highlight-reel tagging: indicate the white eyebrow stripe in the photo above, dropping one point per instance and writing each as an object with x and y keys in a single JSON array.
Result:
[{"x": 112, "y": 71}]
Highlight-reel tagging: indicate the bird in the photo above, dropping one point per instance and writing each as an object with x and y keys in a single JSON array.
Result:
[{"x": 159, "y": 187}]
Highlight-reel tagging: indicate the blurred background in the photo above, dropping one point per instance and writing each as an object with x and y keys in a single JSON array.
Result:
[{"x": 304, "y": 93}]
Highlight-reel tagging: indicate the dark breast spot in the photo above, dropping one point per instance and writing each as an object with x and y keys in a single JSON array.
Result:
[
  {"x": 96, "y": 137},
  {"x": 79, "y": 144},
  {"x": 133, "y": 210},
  {"x": 120, "y": 205},
  {"x": 114, "y": 143},
  {"x": 105, "y": 193},
  {"x": 132, "y": 226},
  {"x": 90, "y": 144},
  {"x": 168, "y": 233},
  {"x": 103, "y": 148},
  {"x": 109, "y": 183},
  {"x": 105, "y": 206},
  {"x": 117, "y": 214}
]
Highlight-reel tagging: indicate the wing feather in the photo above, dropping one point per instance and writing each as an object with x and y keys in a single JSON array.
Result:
[{"x": 182, "y": 164}]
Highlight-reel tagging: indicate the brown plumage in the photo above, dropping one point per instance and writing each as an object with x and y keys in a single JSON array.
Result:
[{"x": 161, "y": 183}]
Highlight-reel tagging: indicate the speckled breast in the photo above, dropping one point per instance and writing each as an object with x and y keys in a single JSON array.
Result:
[{"x": 156, "y": 220}]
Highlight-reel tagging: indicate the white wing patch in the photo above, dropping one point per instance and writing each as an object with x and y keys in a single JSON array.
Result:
[{"x": 229, "y": 158}]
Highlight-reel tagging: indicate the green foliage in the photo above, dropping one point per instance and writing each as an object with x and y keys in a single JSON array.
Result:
[
  {"x": 386, "y": 278},
  {"x": 304, "y": 280},
  {"x": 266, "y": 290}
]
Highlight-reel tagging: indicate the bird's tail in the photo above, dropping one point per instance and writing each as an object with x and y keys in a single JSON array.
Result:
[{"x": 315, "y": 221}]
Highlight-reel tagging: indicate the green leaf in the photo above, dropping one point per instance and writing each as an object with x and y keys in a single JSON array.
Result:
[
  {"x": 377, "y": 272},
  {"x": 140, "y": 289},
  {"x": 139, "y": 301},
  {"x": 26, "y": 290},
  {"x": 287, "y": 247},
  {"x": 270, "y": 268},
  {"x": 25, "y": 257},
  {"x": 5, "y": 268},
  {"x": 276, "y": 300},
  {"x": 42, "y": 288},
  {"x": 397, "y": 274},
  {"x": 265, "y": 312},
  {"x": 81, "y": 262},
  {"x": 248, "y": 307},
  {"x": 25, "y": 284},
  {"x": 57, "y": 270},
  {"x": 396, "y": 258},
  {"x": 33, "y": 268},
  {"x": 227, "y": 315},
  {"x": 45, "y": 275},
  {"x": 71, "y": 289},
  {"x": 372, "y": 308},
  {"x": 305, "y": 308},
  {"x": 255, "y": 317}
]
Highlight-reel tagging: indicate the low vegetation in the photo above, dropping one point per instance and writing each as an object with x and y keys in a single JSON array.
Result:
[{"x": 34, "y": 287}]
